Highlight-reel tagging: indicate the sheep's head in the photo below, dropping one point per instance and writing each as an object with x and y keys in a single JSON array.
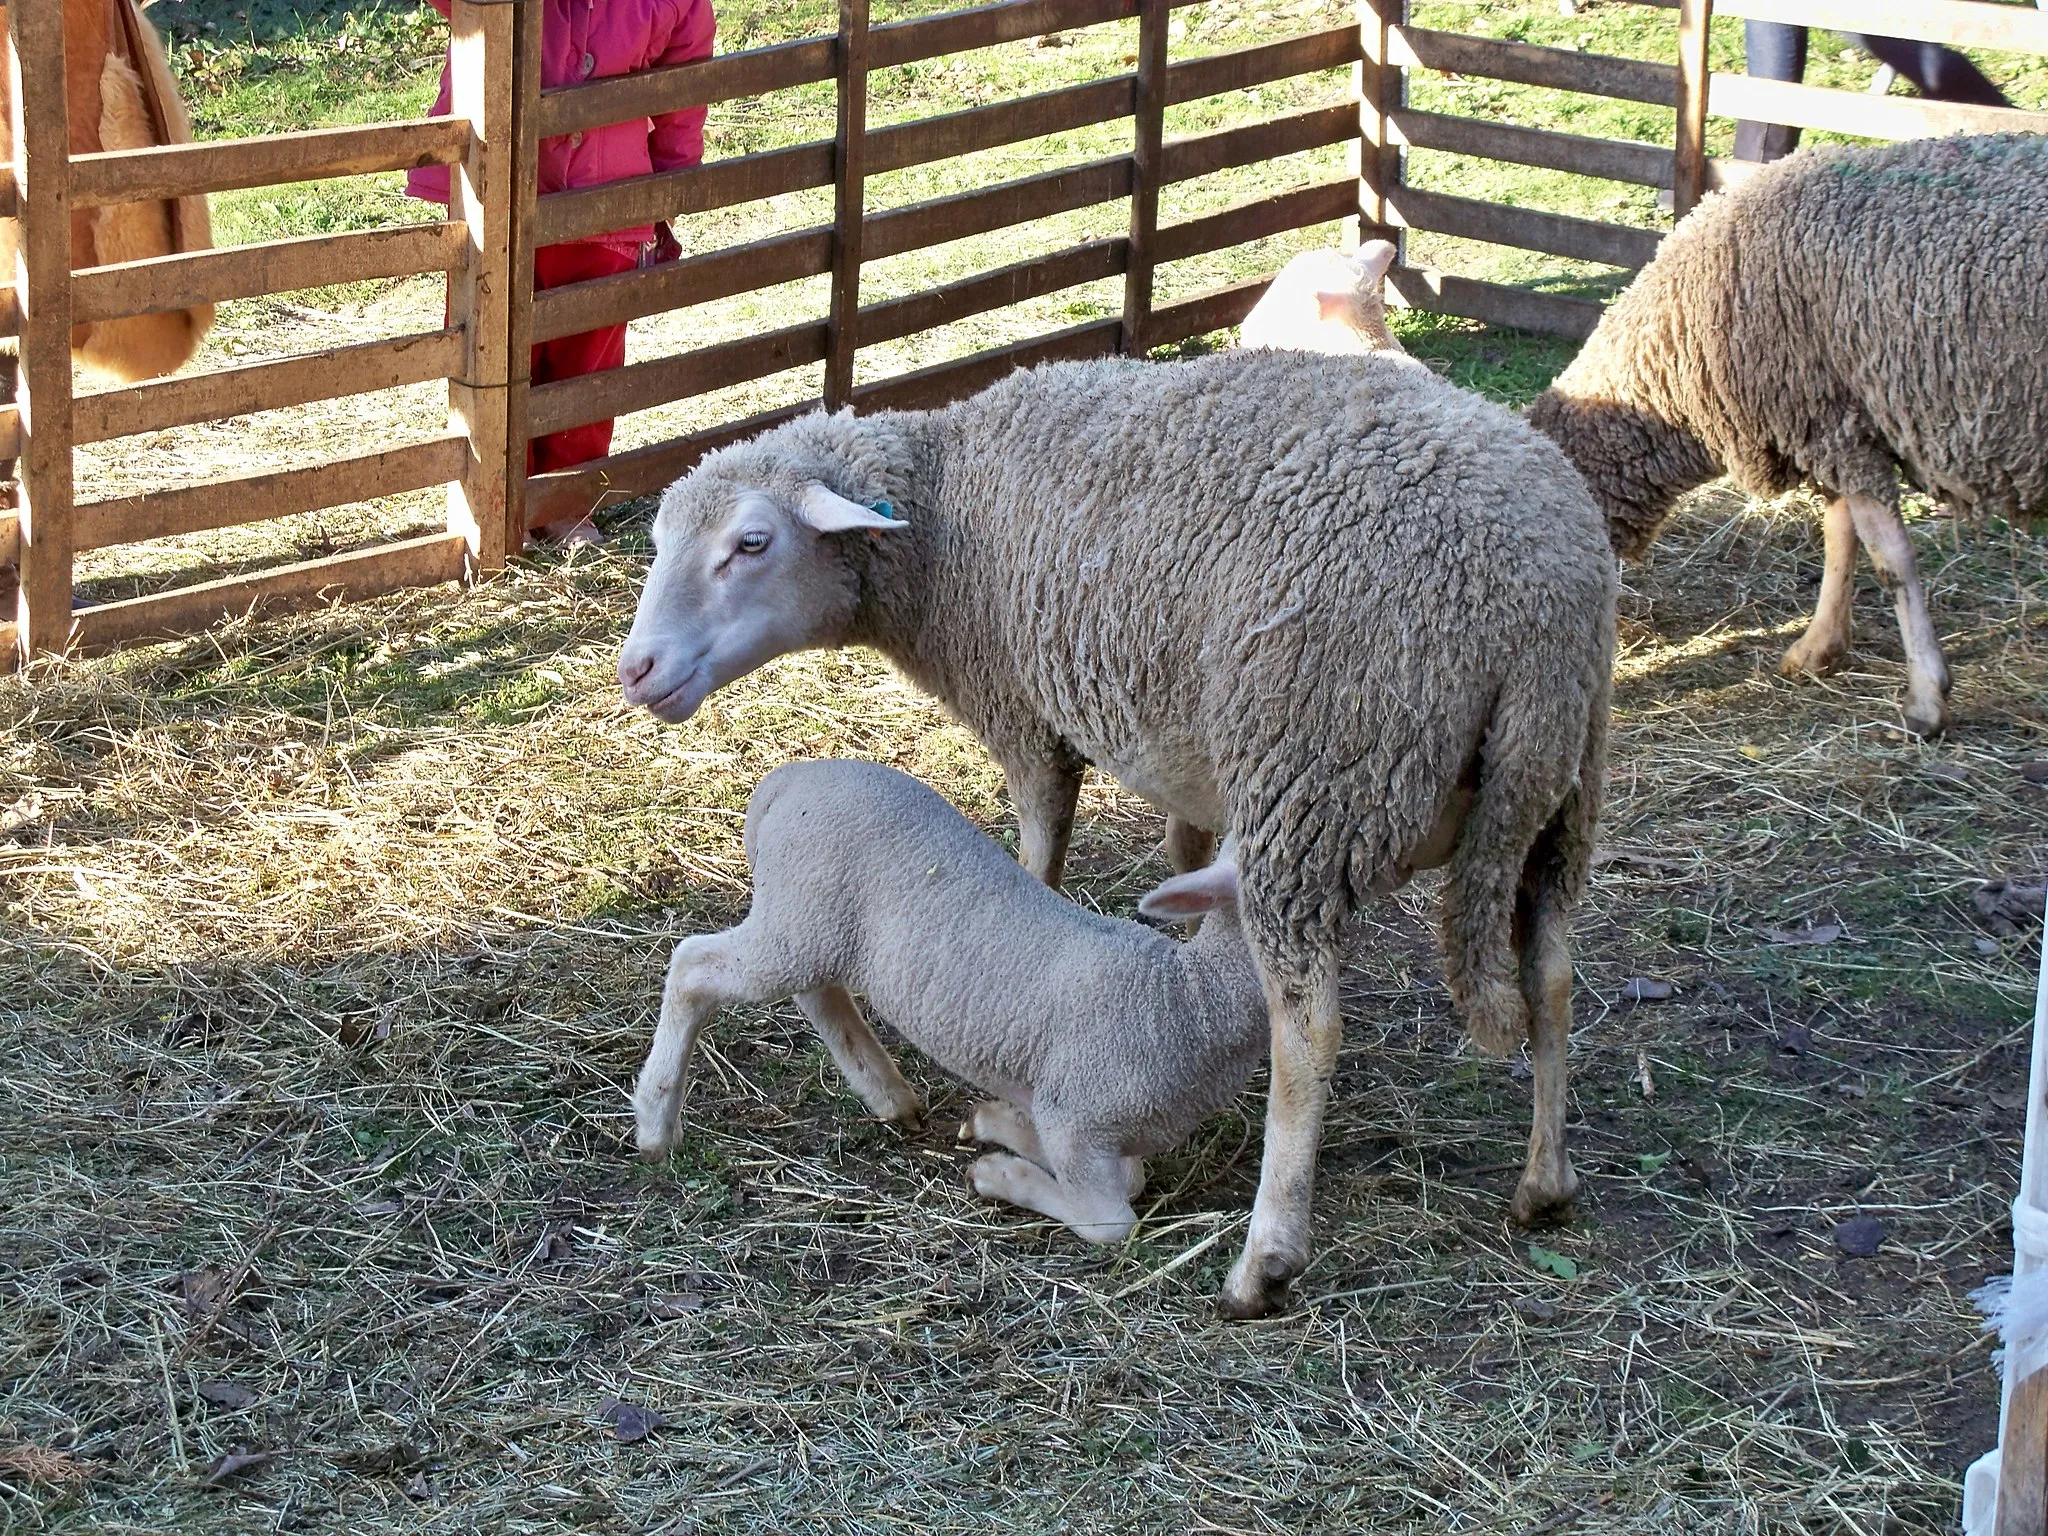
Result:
[{"x": 747, "y": 567}]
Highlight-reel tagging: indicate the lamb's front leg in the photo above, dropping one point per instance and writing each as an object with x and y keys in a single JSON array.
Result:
[
  {"x": 1091, "y": 1195},
  {"x": 1045, "y": 786},
  {"x": 1307, "y": 1029},
  {"x": 869, "y": 1069},
  {"x": 1891, "y": 551},
  {"x": 1826, "y": 641}
]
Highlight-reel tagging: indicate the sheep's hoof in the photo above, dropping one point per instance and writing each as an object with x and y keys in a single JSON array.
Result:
[
  {"x": 1811, "y": 660},
  {"x": 1257, "y": 1287},
  {"x": 1927, "y": 720},
  {"x": 1544, "y": 1202}
]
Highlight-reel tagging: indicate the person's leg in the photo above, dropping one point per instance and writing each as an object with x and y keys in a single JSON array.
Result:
[
  {"x": 569, "y": 357},
  {"x": 1938, "y": 73},
  {"x": 1771, "y": 51}
]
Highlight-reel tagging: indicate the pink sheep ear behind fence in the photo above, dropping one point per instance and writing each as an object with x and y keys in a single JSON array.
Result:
[{"x": 2005, "y": 1492}]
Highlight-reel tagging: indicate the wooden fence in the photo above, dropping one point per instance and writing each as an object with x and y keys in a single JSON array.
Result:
[{"x": 490, "y": 141}]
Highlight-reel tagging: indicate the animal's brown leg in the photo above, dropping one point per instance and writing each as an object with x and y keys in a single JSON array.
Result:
[
  {"x": 1826, "y": 641},
  {"x": 1891, "y": 551},
  {"x": 1548, "y": 1182}
]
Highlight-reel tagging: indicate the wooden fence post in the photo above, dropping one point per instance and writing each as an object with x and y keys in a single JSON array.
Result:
[
  {"x": 1382, "y": 90},
  {"x": 479, "y": 291},
  {"x": 523, "y": 172},
  {"x": 1146, "y": 154},
  {"x": 1689, "y": 140},
  {"x": 849, "y": 167},
  {"x": 42, "y": 277}
]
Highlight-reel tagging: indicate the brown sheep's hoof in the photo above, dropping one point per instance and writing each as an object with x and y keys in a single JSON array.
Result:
[
  {"x": 1256, "y": 1288},
  {"x": 1803, "y": 660},
  {"x": 1927, "y": 721},
  {"x": 1542, "y": 1204}
]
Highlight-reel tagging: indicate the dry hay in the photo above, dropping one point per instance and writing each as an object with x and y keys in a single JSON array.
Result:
[{"x": 331, "y": 945}]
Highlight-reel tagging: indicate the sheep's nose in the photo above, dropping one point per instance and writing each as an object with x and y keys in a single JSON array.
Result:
[{"x": 634, "y": 665}]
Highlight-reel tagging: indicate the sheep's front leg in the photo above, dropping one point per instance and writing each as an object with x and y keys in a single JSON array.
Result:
[
  {"x": 1046, "y": 788},
  {"x": 1005, "y": 1125},
  {"x": 704, "y": 975},
  {"x": 1307, "y": 1029},
  {"x": 1188, "y": 847},
  {"x": 1826, "y": 641},
  {"x": 869, "y": 1069},
  {"x": 1891, "y": 551}
]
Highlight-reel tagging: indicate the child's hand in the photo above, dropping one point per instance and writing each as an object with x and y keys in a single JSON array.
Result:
[{"x": 665, "y": 249}]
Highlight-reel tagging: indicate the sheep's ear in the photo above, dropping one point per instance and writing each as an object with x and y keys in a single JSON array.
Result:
[
  {"x": 1334, "y": 306},
  {"x": 1192, "y": 894},
  {"x": 1374, "y": 258},
  {"x": 829, "y": 512}
]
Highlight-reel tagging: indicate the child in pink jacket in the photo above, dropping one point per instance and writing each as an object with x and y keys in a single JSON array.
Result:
[{"x": 593, "y": 40}]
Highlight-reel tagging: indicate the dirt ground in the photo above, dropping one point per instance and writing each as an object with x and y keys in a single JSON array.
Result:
[{"x": 330, "y": 947}]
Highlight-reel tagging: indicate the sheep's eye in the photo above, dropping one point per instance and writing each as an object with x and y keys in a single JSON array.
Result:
[{"x": 753, "y": 541}]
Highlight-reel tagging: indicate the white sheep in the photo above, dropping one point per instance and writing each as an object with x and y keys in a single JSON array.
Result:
[
  {"x": 1326, "y": 301},
  {"x": 1355, "y": 617},
  {"x": 1103, "y": 1042}
]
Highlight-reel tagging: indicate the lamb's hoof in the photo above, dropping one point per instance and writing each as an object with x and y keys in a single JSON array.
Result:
[
  {"x": 1804, "y": 660},
  {"x": 1257, "y": 1287},
  {"x": 655, "y": 1151},
  {"x": 909, "y": 1118},
  {"x": 1544, "y": 1202}
]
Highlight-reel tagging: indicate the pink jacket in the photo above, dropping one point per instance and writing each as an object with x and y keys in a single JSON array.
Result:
[{"x": 593, "y": 40}]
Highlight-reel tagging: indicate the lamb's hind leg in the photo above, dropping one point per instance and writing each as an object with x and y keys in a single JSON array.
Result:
[
  {"x": 706, "y": 973},
  {"x": 1090, "y": 1193},
  {"x": 1891, "y": 551},
  {"x": 869, "y": 1069},
  {"x": 1826, "y": 641},
  {"x": 1006, "y": 1125},
  {"x": 1307, "y": 1030}
]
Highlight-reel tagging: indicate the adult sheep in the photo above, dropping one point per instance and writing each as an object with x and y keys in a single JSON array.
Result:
[
  {"x": 1832, "y": 320},
  {"x": 1356, "y": 617}
]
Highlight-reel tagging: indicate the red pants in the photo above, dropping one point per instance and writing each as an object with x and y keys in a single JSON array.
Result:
[{"x": 569, "y": 357}]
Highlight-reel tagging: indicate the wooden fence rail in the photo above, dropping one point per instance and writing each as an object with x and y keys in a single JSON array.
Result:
[{"x": 490, "y": 141}]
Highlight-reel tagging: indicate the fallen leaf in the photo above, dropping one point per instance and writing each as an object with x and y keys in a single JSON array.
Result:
[
  {"x": 1536, "y": 1309},
  {"x": 2008, "y": 1099},
  {"x": 399, "y": 1456},
  {"x": 675, "y": 1304},
  {"x": 1754, "y": 754},
  {"x": 2008, "y": 905},
  {"x": 379, "y": 1207},
  {"x": 1643, "y": 1079},
  {"x": 1860, "y": 1236},
  {"x": 26, "y": 810},
  {"x": 1816, "y": 933},
  {"x": 226, "y": 1394},
  {"x": 1633, "y": 860},
  {"x": 1797, "y": 1040},
  {"x": 1645, "y": 989},
  {"x": 1985, "y": 947},
  {"x": 419, "y": 1487},
  {"x": 1548, "y": 1260},
  {"x": 1519, "y": 1069},
  {"x": 630, "y": 1421},
  {"x": 234, "y": 1462},
  {"x": 1852, "y": 1090},
  {"x": 1648, "y": 1163},
  {"x": 2035, "y": 772},
  {"x": 201, "y": 1290},
  {"x": 39, "y": 1464}
]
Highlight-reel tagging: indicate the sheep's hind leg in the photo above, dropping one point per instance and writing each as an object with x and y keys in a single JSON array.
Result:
[
  {"x": 1088, "y": 1193},
  {"x": 1891, "y": 551},
  {"x": 706, "y": 973},
  {"x": 1188, "y": 847},
  {"x": 865, "y": 1062},
  {"x": 1826, "y": 641},
  {"x": 1548, "y": 1183},
  {"x": 1307, "y": 1029}
]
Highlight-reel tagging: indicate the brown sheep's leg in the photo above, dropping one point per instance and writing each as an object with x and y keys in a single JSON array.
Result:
[
  {"x": 1188, "y": 847},
  {"x": 1045, "y": 790},
  {"x": 869, "y": 1069},
  {"x": 1891, "y": 551},
  {"x": 1306, "y": 1031},
  {"x": 1548, "y": 1182},
  {"x": 1826, "y": 641}
]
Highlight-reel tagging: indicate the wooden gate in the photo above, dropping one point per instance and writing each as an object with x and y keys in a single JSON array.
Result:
[{"x": 496, "y": 220}]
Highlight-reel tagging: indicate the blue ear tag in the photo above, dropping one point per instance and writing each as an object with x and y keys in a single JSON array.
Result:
[{"x": 886, "y": 509}]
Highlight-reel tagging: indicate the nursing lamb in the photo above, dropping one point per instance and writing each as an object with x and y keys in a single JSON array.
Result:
[{"x": 1356, "y": 618}]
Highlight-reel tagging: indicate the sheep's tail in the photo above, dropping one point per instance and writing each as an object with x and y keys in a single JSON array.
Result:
[{"x": 1527, "y": 840}]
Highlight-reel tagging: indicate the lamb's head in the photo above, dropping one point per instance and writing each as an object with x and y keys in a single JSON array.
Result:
[
  {"x": 751, "y": 561},
  {"x": 1326, "y": 301}
]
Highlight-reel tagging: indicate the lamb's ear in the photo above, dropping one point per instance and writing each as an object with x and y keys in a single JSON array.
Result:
[
  {"x": 1373, "y": 259},
  {"x": 829, "y": 512},
  {"x": 1335, "y": 306},
  {"x": 1192, "y": 894}
]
